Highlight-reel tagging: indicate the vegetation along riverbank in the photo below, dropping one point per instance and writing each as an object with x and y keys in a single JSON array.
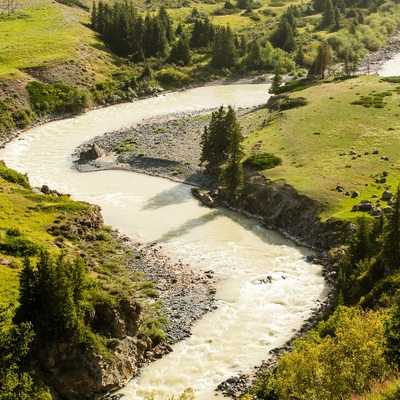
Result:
[{"x": 320, "y": 163}]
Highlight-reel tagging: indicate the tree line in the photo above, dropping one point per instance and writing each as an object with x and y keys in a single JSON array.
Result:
[{"x": 138, "y": 37}]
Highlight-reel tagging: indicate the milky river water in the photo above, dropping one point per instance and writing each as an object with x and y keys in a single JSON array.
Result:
[{"x": 252, "y": 317}]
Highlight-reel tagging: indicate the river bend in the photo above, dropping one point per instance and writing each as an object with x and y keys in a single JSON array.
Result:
[{"x": 252, "y": 317}]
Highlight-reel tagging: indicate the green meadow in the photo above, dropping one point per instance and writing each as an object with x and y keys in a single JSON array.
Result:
[{"x": 330, "y": 141}]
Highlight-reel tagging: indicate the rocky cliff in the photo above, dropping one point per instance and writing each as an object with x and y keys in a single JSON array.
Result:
[{"x": 279, "y": 206}]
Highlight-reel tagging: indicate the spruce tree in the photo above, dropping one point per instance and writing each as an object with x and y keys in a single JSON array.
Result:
[
  {"x": 254, "y": 59},
  {"x": 180, "y": 52},
  {"x": 215, "y": 143},
  {"x": 390, "y": 242},
  {"x": 328, "y": 16},
  {"x": 224, "y": 54},
  {"x": 232, "y": 172},
  {"x": 276, "y": 82}
]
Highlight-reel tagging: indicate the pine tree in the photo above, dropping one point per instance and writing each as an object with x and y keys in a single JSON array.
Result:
[
  {"x": 337, "y": 25},
  {"x": 328, "y": 16},
  {"x": 166, "y": 23},
  {"x": 283, "y": 36},
  {"x": 215, "y": 143},
  {"x": 180, "y": 52},
  {"x": 276, "y": 82},
  {"x": 254, "y": 59},
  {"x": 232, "y": 172},
  {"x": 243, "y": 4},
  {"x": 299, "y": 57},
  {"x": 322, "y": 61},
  {"x": 390, "y": 242},
  {"x": 224, "y": 54}
]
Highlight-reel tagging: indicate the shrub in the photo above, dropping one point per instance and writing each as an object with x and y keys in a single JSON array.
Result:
[
  {"x": 262, "y": 161},
  {"x": 18, "y": 246},
  {"x": 12, "y": 176},
  {"x": 57, "y": 98},
  {"x": 342, "y": 359},
  {"x": 173, "y": 77}
]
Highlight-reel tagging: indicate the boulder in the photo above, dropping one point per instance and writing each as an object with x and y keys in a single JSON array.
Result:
[
  {"x": 387, "y": 195},
  {"x": 204, "y": 197},
  {"x": 93, "y": 153},
  {"x": 365, "y": 205}
]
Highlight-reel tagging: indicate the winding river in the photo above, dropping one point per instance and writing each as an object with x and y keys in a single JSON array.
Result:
[{"x": 252, "y": 317}]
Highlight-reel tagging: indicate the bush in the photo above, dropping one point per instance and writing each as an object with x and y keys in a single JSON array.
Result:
[
  {"x": 342, "y": 359},
  {"x": 18, "y": 246},
  {"x": 12, "y": 176},
  {"x": 172, "y": 77},
  {"x": 57, "y": 98},
  {"x": 262, "y": 161}
]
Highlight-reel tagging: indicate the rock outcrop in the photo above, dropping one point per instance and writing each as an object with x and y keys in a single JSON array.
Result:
[
  {"x": 75, "y": 372},
  {"x": 279, "y": 206}
]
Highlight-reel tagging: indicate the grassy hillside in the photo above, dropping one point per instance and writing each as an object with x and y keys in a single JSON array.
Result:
[
  {"x": 31, "y": 221},
  {"x": 44, "y": 33},
  {"x": 329, "y": 141}
]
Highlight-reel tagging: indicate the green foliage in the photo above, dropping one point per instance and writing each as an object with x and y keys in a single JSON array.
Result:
[
  {"x": 342, "y": 358},
  {"x": 172, "y": 77},
  {"x": 67, "y": 285},
  {"x": 374, "y": 100},
  {"x": 262, "y": 161},
  {"x": 53, "y": 203},
  {"x": 121, "y": 22},
  {"x": 392, "y": 333},
  {"x": 126, "y": 145},
  {"x": 372, "y": 260},
  {"x": 224, "y": 51},
  {"x": 152, "y": 328},
  {"x": 18, "y": 381},
  {"x": 57, "y": 98},
  {"x": 12, "y": 176},
  {"x": 18, "y": 246}
]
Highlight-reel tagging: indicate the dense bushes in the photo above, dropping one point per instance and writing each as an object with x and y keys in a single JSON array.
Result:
[
  {"x": 12, "y": 176},
  {"x": 57, "y": 98},
  {"x": 343, "y": 357},
  {"x": 262, "y": 161}
]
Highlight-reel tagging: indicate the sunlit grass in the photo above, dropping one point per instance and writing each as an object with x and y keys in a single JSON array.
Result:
[
  {"x": 310, "y": 139},
  {"x": 41, "y": 32}
]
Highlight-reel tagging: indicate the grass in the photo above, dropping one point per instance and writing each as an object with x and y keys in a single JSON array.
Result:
[
  {"x": 42, "y": 32},
  {"x": 26, "y": 219},
  {"x": 310, "y": 139}
]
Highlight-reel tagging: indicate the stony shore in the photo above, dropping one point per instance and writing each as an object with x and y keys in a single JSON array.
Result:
[
  {"x": 186, "y": 294},
  {"x": 167, "y": 146}
]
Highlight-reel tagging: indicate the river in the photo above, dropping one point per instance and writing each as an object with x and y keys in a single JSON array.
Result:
[{"x": 252, "y": 317}]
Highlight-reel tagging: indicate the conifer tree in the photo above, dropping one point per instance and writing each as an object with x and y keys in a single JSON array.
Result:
[
  {"x": 224, "y": 54},
  {"x": 215, "y": 143},
  {"x": 322, "y": 61},
  {"x": 276, "y": 82},
  {"x": 390, "y": 241},
  {"x": 328, "y": 17},
  {"x": 283, "y": 36},
  {"x": 232, "y": 172},
  {"x": 180, "y": 52},
  {"x": 254, "y": 59}
]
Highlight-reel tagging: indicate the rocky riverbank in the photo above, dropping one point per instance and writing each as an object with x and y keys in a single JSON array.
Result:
[
  {"x": 186, "y": 294},
  {"x": 168, "y": 146}
]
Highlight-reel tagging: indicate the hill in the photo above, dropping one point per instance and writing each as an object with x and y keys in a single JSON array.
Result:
[{"x": 338, "y": 141}]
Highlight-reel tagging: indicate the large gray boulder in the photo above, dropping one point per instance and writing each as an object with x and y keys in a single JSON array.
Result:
[{"x": 93, "y": 153}]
